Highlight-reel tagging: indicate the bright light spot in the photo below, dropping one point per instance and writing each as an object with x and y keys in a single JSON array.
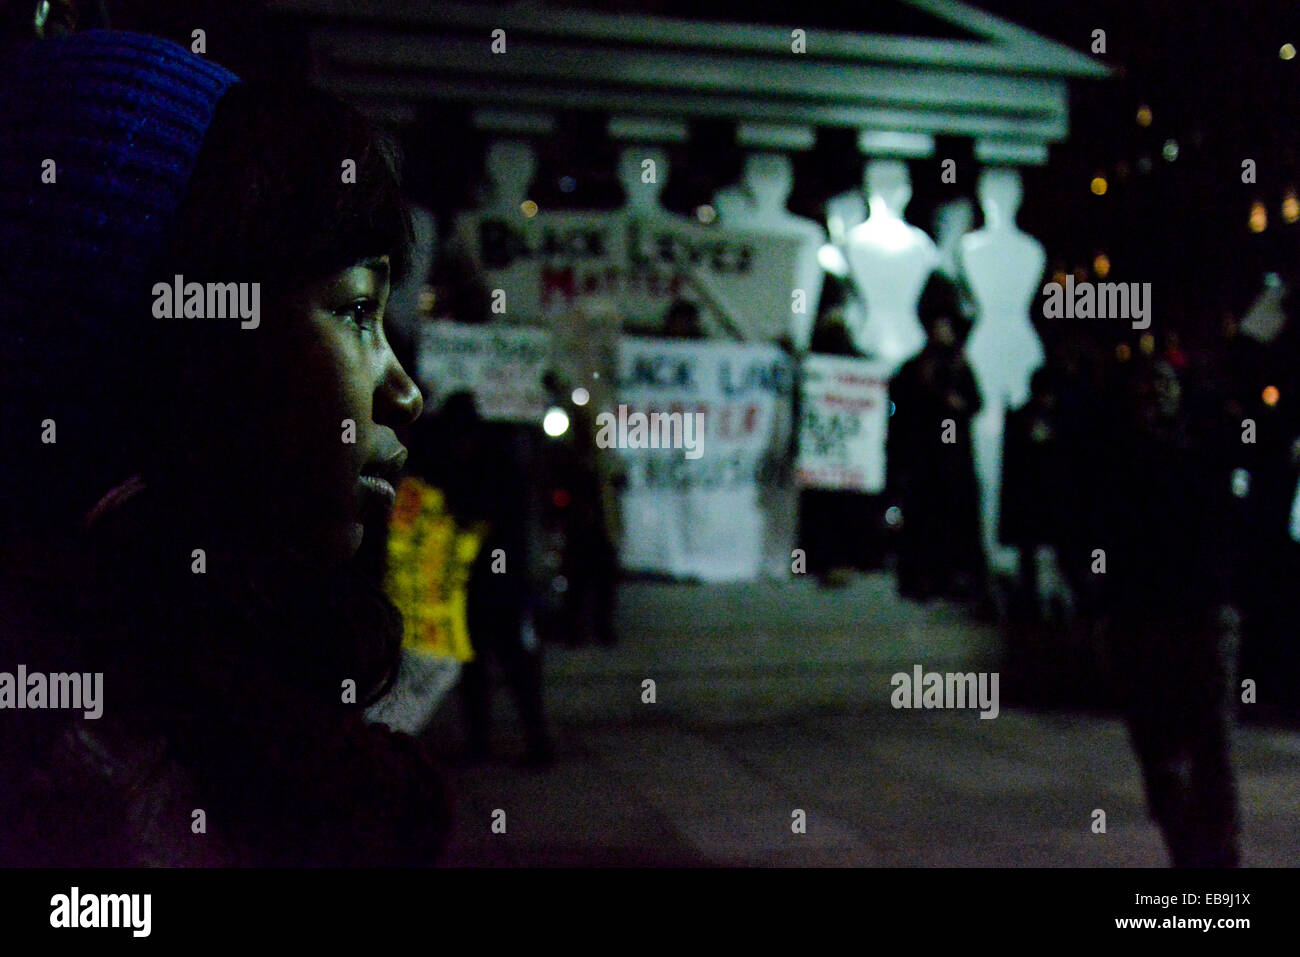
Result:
[
  {"x": 1258, "y": 221},
  {"x": 1270, "y": 395},
  {"x": 893, "y": 516},
  {"x": 1144, "y": 115},
  {"x": 1287, "y": 52},
  {"x": 528, "y": 208},
  {"x": 1123, "y": 353},
  {"x": 581, "y": 396},
  {"x": 568, "y": 184},
  {"x": 706, "y": 213},
  {"x": 1240, "y": 483},
  {"x": 1147, "y": 343},
  {"x": 833, "y": 261},
  {"x": 1290, "y": 207},
  {"x": 1170, "y": 150},
  {"x": 1101, "y": 265},
  {"x": 1098, "y": 186},
  {"x": 556, "y": 422},
  {"x": 892, "y": 408}
]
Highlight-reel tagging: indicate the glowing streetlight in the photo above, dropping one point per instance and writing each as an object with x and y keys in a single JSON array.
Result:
[
  {"x": 556, "y": 422},
  {"x": 1144, "y": 115},
  {"x": 1098, "y": 186},
  {"x": 1287, "y": 52}
]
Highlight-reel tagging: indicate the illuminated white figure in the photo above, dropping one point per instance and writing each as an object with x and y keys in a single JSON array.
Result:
[
  {"x": 768, "y": 180},
  {"x": 890, "y": 261},
  {"x": 633, "y": 173},
  {"x": 510, "y": 166},
  {"x": 952, "y": 221},
  {"x": 843, "y": 213},
  {"x": 1003, "y": 267}
]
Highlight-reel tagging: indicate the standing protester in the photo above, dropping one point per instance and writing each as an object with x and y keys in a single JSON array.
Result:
[
  {"x": 481, "y": 469},
  {"x": 930, "y": 456},
  {"x": 839, "y": 530},
  {"x": 184, "y": 498},
  {"x": 1175, "y": 631}
]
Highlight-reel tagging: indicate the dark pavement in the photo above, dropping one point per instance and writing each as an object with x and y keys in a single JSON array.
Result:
[{"x": 774, "y": 697}]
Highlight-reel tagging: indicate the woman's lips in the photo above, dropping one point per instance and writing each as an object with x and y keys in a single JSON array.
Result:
[{"x": 381, "y": 489}]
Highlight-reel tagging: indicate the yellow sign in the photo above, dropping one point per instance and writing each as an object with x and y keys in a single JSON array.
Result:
[{"x": 429, "y": 562}]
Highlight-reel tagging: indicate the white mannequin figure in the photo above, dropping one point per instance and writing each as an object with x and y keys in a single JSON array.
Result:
[
  {"x": 891, "y": 261},
  {"x": 643, "y": 197},
  {"x": 952, "y": 221},
  {"x": 768, "y": 179},
  {"x": 510, "y": 166},
  {"x": 1003, "y": 267}
]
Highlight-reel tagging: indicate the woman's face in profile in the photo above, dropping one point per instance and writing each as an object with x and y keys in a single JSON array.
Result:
[{"x": 336, "y": 393}]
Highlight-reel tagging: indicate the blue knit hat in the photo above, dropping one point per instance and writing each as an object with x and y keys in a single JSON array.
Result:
[
  {"x": 114, "y": 121},
  {"x": 99, "y": 133}
]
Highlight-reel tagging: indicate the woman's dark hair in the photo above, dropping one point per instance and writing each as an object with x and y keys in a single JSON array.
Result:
[{"x": 291, "y": 185}]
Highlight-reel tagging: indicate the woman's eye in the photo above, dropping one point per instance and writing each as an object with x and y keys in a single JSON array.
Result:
[{"x": 364, "y": 313}]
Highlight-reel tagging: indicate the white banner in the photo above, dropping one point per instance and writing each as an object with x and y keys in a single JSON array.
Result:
[
  {"x": 705, "y": 506},
  {"x": 844, "y": 414},
  {"x": 502, "y": 365},
  {"x": 743, "y": 280}
]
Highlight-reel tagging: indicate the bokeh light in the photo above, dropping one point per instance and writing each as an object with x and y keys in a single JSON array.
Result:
[{"x": 1258, "y": 221}]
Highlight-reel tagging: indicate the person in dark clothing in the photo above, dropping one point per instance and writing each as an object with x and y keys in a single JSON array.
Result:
[
  {"x": 1175, "y": 631},
  {"x": 930, "y": 457},
  {"x": 190, "y": 533},
  {"x": 1034, "y": 480},
  {"x": 481, "y": 468}
]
